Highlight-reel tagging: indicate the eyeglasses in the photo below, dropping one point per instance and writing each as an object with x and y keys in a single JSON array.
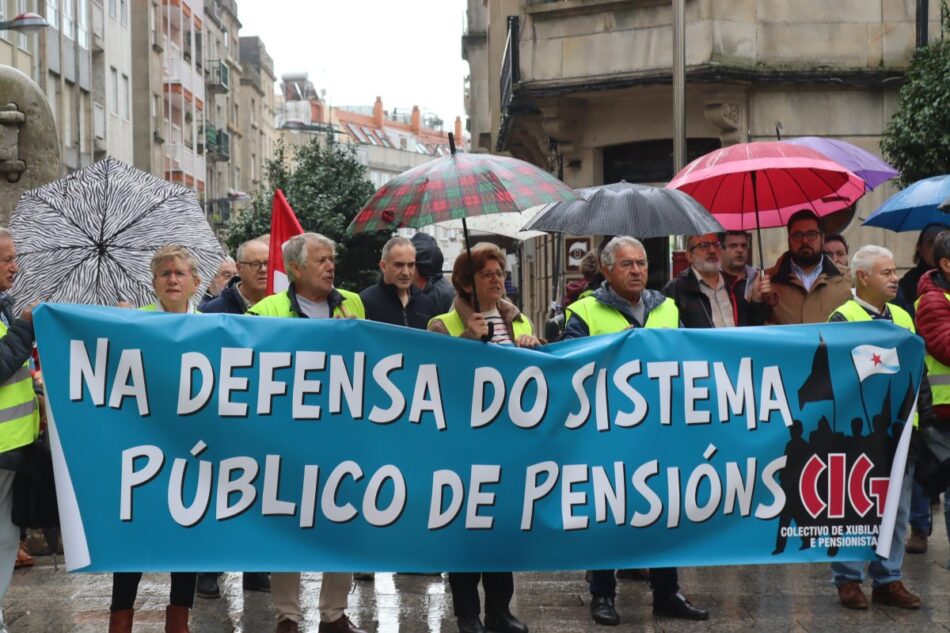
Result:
[
  {"x": 490, "y": 274},
  {"x": 798, "y": 236},
  {"x": 705, "y": 246},
  {"x": 255, "y": 266}
]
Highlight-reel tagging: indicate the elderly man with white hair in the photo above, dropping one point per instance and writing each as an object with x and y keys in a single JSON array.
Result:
[{"x": 875, "y": 287}]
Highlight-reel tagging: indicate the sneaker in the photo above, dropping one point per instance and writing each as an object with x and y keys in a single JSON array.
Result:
[
  {"x": 207, "y": 586},
  {"x": 916, "y": 542}
]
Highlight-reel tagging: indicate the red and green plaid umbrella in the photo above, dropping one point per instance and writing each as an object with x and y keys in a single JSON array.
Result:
[{"x": 458, "y": 186}]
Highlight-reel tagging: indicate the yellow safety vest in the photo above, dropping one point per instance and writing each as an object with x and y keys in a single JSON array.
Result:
[
  {"x": 19, "y": 414},
  {"x": 937, "y": 373},
  {"x": 852, "y": 311},
  {"x": 603, "y": 319},
  {"x": 453, "y": 323},
  {"x": 278, "y": 305}
]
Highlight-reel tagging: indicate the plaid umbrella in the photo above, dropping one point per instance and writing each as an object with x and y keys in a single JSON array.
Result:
[{"x": 457, "y": 186}]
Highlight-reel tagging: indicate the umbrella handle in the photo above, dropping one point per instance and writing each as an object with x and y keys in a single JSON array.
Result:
[{"x": 491, "y": 333}]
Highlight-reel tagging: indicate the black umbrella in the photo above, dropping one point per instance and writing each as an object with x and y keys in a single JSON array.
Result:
[{"x": 623, "y": 208}]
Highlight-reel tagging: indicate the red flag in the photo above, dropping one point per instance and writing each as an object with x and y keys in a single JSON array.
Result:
[{"x": 283, "y": 226}]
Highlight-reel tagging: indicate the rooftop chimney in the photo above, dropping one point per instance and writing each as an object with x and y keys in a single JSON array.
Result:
[
  {"x": 416, "y": 121},
  {"x": 378, "y": 112}
]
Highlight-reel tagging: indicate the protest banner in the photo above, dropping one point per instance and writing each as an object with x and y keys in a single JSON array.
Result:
[{"x": 193, "y": 442}]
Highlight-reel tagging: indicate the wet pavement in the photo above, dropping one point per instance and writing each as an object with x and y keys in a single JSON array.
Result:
[{"x": 767, "y": 598}]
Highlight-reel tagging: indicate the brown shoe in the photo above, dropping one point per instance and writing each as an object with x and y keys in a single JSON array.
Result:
[
  {"x": 121, "y": 621},
  {"x": 176, "y": 619},
  {"x": 287, "y": 626},
  {"x": 895, "y": 594},
  {"x": 916, "y": 542},
  {"x": 851, "y": 596},
  {"x": 343, "y": 625},
  {"x": 23, "y": 558}
]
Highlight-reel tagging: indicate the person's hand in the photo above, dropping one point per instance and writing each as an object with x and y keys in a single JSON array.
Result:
[
  {"x": 477, "y": 326},
  {"x": 527, "y": 340},
  {"x": 761, "y": 288},
  {"x": 123, "y": 304},
  {"x": 27, "y": 315},
  {"x": 41, "y": 403}
]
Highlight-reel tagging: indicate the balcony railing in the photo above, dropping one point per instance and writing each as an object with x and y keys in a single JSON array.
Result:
[
  {"x": 219, "y": 211},
  {"x": 217, "y": 144},
  {"x": 217, "y": 77}
]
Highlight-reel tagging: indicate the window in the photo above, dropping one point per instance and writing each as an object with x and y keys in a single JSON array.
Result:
[
  {"x": 114, "y": 79},
  {"x": 23, "y": 6},
  {"x": 68, "y": 117},
  {"x": 52, "y": 13},
  {"x": 69, "y": 17},
  {"x": 112, "y": 10},
  {"x": 124, "y": 11},
  {"x": 82, "y": 120},
  {"x": 124, "y": 97},
  {"x": 82, "y": 25}
]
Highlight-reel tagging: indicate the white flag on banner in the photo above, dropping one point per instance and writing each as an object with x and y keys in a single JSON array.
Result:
[{"x": 870, "y": 360}]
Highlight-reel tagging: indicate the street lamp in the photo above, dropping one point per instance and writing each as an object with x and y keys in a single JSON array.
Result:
[{"x": 27, "y": 23}]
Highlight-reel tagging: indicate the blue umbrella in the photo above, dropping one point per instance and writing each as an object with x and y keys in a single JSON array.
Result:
[{"x": 915, "y": 208}]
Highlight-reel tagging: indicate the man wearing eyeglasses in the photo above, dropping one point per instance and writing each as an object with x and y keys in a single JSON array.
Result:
[
  {"x": 241, "y": 293},
  {"x": 250, "y": 284},
  {"x": 707, "y": 297},
  {"x": 807, "y": 286}
]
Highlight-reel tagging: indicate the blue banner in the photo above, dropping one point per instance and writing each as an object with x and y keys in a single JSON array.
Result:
[{"x": 197, "y": 442}]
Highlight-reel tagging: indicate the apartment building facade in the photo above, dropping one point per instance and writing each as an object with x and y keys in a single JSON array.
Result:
[{"x": 583, "y": 88}]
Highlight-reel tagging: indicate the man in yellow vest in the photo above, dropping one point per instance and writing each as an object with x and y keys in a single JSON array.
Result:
[
  {"x": 933, "y": 324},
  {"x": 621, "y": 302},
  {"x": 19, "y": 414},
  {"x": 875, "y": 286},
  {"x": 309, "y": 261}
]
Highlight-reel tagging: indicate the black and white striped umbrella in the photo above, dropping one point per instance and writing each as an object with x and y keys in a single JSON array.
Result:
[
  {"x": 89, "y": 236},
  {"x": 623, "y": 208}
]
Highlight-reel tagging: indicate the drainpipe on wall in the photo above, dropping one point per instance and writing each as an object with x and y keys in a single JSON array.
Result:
[{"x": 923, "y": 18}]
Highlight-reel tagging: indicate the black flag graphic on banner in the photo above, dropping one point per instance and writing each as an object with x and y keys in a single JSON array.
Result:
[{"x": 817, "y": 387}]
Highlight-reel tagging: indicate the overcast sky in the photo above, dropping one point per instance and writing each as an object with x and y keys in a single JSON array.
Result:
[{"x": 408, "y": 53}]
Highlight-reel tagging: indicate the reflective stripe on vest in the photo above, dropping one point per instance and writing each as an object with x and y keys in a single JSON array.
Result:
[
  {"x": 453, "y": 323},
  {"x": 937, "y": 373},
  {"x": 603, "y": 319},
  {"x": 852, "y": 311},
  {"x": 19, "y": 416}
]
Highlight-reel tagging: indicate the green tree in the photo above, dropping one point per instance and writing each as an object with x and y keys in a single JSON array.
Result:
[
  {"x": 326, "y": 186},
  {"x": 917, "y": 138}
]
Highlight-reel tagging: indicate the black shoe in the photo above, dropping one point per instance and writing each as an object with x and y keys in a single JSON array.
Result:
[
  {"x": 257, "y": 581},
  {"x": 207, "y": 586},
  {"x": 471, "y": 625},
  {"x": 677, "y": 606},
  {"x": 504, "y": 623},
  {"x": 603, "y": 611}
]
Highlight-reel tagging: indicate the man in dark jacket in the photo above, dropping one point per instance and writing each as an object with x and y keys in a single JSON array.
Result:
[
  {"x": 250, "y": 284},
  {"x": 396, "y": 299},
  {"x": 20, "y": 413},
  {"x": 707, "y": 297},
  {"x": 242, "y": 292},
  {"x": 429, "y": 278}
]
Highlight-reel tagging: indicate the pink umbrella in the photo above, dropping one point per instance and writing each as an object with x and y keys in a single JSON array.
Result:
[{"x": 760, "y": 185}]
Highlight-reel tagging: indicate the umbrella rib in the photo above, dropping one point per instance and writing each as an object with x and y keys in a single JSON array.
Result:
[
  {"x": 810, "y": 202},
  {"x": 68, "y": 219},
  {"x": 768, "y": 181},
  {"x": 142, "y": 215}
]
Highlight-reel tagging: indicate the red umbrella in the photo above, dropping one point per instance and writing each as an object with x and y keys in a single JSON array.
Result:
[{"x": 760, "y": 185}]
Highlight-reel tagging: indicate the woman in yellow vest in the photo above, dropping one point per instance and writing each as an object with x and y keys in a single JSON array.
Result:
[
  {"x": 508, "y": 327},
  {"x": 175, "y": 280}
]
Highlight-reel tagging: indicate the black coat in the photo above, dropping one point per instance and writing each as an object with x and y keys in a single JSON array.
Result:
[
  {"x": 695, "y": 310},
  {"x": 382, "y": 304},
  {"x": 228, "y": 302}
]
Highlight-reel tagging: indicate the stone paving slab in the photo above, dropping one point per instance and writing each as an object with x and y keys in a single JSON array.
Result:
[{"x": 793, "y": 598}]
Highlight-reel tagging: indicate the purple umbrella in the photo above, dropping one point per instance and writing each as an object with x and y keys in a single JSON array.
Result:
[{"x": 871, "y": 169}]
